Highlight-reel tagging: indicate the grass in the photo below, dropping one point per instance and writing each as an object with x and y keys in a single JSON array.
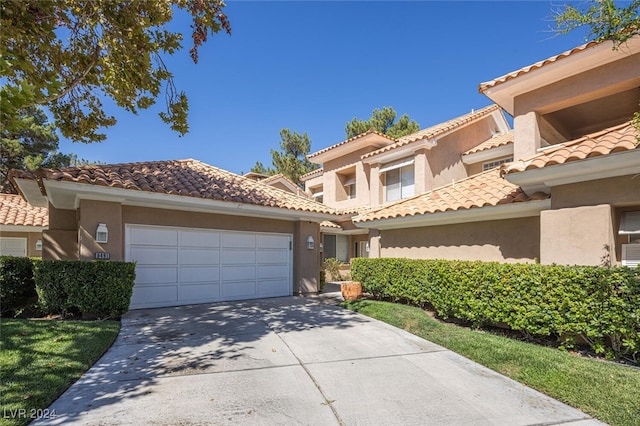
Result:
[
  {"x": 606, "y": 391},
  {"x": 40, "y": 359}
]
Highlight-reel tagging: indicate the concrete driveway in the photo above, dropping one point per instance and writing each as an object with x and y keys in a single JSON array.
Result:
[{"x": 291, "y": 361}]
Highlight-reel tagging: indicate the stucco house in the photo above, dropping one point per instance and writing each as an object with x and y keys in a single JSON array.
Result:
[
  {"x": 21, "y": 226},
  {"x": 198, "y": 233},
  {"x": 372, "y": 170},
  {"x": 572, "y": 195}
]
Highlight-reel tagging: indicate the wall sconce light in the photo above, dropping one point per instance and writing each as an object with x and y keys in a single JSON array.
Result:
[
  {"x": 102, "y": 233},
  {"x": 367, "y": 247},
  {"x": 310, "y": 243},
  {"x": 39, "y": 245}
]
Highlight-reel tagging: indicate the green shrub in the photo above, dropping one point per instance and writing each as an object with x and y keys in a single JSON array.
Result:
[
  {"x": 100, "y": 288},
  {"x": 600, "y": 305},
  {"x": 17, "y": 287},
  {"x": 332, "y": 267}
]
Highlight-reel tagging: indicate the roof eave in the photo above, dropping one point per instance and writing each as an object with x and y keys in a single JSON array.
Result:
[
  {"x": 477, "y": 214},
  {"x": 488, "y": 154},
  {"x": 602, "y": 167},
  {"x": 67, "y": 195},
  {"x": 503, "y": 93}
]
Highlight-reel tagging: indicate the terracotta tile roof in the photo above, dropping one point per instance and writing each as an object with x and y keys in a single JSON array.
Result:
[
  {"x": 489, "y": 84},
  {"x": 309, "y": 175},
  {"x": 329, "y": 224},
  {"x": 481, "y": 190},
  {"x": 14, "y": 210},
  {"x": 190, "y": 178},
  {"x": 437, "y": 130},
  {"x": 368, "y": 132},
  {"x": 619, "y": 138},
  {"x": 494, "y": 142}
]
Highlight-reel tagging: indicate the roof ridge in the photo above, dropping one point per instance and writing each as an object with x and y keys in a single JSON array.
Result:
[{"x": 358, "y": 136}]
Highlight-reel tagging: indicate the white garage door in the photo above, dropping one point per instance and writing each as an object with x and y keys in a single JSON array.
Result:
[
  {"x": 179, "y": 266},
  {"x": 10, "y": 246}
]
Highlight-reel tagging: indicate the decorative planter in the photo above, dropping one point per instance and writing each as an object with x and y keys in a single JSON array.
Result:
[{"x": 351, "y": 290}]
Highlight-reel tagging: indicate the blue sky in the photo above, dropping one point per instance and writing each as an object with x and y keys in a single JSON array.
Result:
[{"x": 313, "y": 66}]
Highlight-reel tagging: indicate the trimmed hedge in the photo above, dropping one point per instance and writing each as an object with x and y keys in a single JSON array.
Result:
[
  {"x": 601, "y": 305},
  {"x": 17, "y": 287},
  {"x": 100, "y": 288}
]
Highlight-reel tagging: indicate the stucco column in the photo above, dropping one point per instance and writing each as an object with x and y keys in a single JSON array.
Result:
[
  {"x": 93, "y": 213},
  {"x": 577, "y": 236},
  {"x": 375, "y": 191},
  {"x": 306, "y": 262},
  {"x": 421, "y": 172},
  {"x": 374, "y": 243},
  {"x": 526, "y": 136},
  {"x": 60, "y": 241}
]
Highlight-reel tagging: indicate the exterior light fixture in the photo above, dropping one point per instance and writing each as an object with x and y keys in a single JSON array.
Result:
[
  {"x": 39, "y": 245},
  {"x": 310, "y": 243},
  {"x": 102, "y": 233}
]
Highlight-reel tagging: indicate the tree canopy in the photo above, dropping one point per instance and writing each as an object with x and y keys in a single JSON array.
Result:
[
  {"x": 34, "y": 145},
  {"x": 603, "y": 18},
  {"x": 383, "y": 121},
  {"x": 291, "y": 159},
  {"x": 67, "y": 55}
]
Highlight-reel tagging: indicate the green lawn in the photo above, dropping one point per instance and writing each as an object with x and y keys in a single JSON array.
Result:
[
  {"x": 40, "y": 359},
  {"x": 607, "y": 391}
]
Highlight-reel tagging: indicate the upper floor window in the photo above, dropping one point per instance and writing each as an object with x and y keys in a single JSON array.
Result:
[
  {"x": 399, "y": 180},
  {"x": 350, "y": 187},
  {"x": 493, "y": 164},
  {"x": 317, "y": 194}
]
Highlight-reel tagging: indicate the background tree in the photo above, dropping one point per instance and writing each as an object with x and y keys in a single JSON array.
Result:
[
  {"x": 384, "y": 122},
  {"x": 291, "y": 159},
  {"x": 67, "y": 54},
  {"x": 260, "y": 168},
  {"x": 34, "y": 145}
]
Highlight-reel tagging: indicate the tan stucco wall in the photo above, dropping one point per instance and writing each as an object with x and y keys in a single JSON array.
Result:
[
  {"x": 576, "y": 236},
  {"x": 165, "y": 217},
  {"x": 617, "y": 191},
  {"x": 306, "y": 262},
  {"x": 31, "y": 237},
  {"x": 445, "y": 160},
  {"x": 509, "y": 240},
  {"x": 91, "y": 214},
  {"x": 60, "y": 241},
  {"x": 59, "y": 244}
]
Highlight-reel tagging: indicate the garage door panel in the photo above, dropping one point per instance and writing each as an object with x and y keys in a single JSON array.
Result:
[
  {"x": 198, "y": 292},
  {"x": 237, "y": 256},
  {"x": 238, "y": 273},
  {"x": 238, "y": 289},
  {"x": 238, "y": 240},
  {"x": 275, "y": 271},
  {"x": 199, "y": 274},
  {"x": 13, "y": 246},
  {"x": 154, "y": 236},
  {"x": 154, "y": 255},
  {"x": 199, "y": 238},
  {"x": 150, "y": 275},
  {"x": 177, "y": 266},
  {"x": 201, "y": 256},
  {"x": 273, "y": 256},
  {"x": 155, "y": 295},
  {"x": 273, "y": 287},
  {"x": 273, "y": 241}
]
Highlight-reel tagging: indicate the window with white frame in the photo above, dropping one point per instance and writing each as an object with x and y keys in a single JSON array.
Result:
[
  {"x": 317, "y": 194},
  {"x": 630, "y": 226},
  {"x": 493, "y": 164},
  {"x": 399, "y": 180}
]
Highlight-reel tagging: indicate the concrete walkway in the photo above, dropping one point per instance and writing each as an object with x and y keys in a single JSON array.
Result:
[{"x": 291, "y": 361}]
